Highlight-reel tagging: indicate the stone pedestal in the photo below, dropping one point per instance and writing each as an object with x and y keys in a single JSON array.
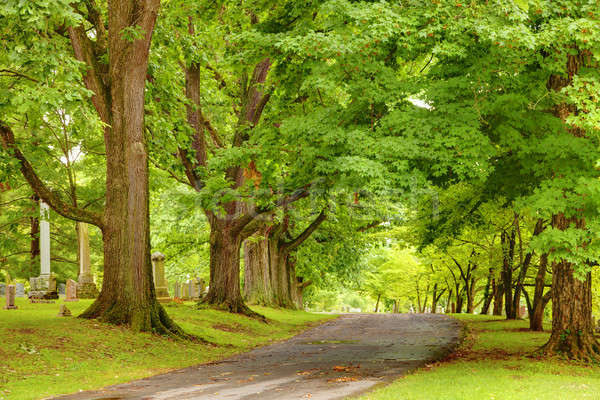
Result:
[
  {"x": 43, "y": 287},
  {"x": 158, "y": 271},
  {"x": 10, "y": 298},
  {"x": 86, "y": 288}
]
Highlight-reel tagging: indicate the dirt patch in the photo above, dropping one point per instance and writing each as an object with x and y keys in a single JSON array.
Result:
[
  {"x": 231, "y": 328},
  {"x": 24, "y": 331}
]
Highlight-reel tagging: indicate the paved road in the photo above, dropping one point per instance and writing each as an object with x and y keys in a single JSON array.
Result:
[{"x": 339, "y": 358}]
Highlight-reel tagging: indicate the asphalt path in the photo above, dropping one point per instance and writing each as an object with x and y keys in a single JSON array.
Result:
[{"x": 339, "y": 358}]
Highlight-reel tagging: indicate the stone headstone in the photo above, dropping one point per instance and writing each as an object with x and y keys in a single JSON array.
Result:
[
  {"x": 158, "y": 271},
  {"x": 523, "y": 312},
  {"x": 43, "y": 287},
  {"x": 64, "y": 311},
  {"x": 61, "y": 288},
  {"x": 10, "y": 298},
  {"x": 185, "y": 290},
  {"x": 71, "y": 291},
  {"x": 196, "y": 288},
  {"x": 20, "y": 289},
  {"x": 2, "y": 289}
]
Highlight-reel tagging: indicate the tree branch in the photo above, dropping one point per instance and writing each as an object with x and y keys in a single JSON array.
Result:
[
  {"x": 293, "y": 244},
  {"x": 83, "y": 48},
  {"x": 63, "y": 208}
]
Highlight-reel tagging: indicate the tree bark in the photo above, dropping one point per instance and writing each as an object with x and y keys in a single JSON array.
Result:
[
  {"x": 536, "y": 317},
  {"x": 572, "y": 330},
  {"x": 459, "y": 300},
  {"x": 498, "y": 298},
  {"x": 224, "y": 287},
  {"x": 434, "y": 299},
  {"x": 278, "y": 271},
  {"x": 257, "y": 271},
  {"x": 471, "y": 297},
  {"x": 488, "y": 293},
  {"x": 34, "y": 235},
  {"x": 377, "y": 303},
  {"x": 127, "y": 295},
  {"x": 508, "y": 251}
]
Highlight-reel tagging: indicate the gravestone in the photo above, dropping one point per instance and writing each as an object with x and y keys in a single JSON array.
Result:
[
  {"x": 160, "y": 283},
  {"x": 523, "y": 312},
  {"x": 61, "y": 288},
  {"x": 196, "y": 288},
  {"x": 71, "y": 292},
  {"x": 177, "y": 290},
  {"x": 185, "y": 290},
  {"x": 2, "y": 289},
  {"x": 43, "y": 287},
  {"x": 86, "y": 288},
  {"x": 10, "y": 298},
  {"x": 20, "y": 289},
  {"x": 64, "y": 311}
]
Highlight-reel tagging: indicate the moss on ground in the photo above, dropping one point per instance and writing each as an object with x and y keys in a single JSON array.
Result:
[
  {"x": 496, "y": 364},
  {"x": 43, "y": 355}
]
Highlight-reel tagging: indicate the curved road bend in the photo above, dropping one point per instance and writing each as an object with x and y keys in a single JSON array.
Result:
[{"x": 339, "y": 358}]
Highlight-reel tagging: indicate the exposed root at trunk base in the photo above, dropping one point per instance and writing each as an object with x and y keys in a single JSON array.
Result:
[
  {"x": 576, "y": 346},
  {"x": 152, "y": 318},
  {"x": 235, "y": 307}
]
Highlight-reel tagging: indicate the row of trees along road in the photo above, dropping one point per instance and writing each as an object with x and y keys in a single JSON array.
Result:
[{"x": 266, "y": 109}]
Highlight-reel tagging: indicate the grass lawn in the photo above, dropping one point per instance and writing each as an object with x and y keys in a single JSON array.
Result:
[
  {"x": 495, "y": 364},
  {"x": 43, "y": 355}
]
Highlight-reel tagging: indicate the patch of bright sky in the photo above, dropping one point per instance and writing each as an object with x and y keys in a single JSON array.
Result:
[{"x": 420, "y": 103}]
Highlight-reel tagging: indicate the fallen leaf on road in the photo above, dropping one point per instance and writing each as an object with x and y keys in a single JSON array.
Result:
[
  {"x": 341, "y": 368},
  {"x": 343, "y": 379}
]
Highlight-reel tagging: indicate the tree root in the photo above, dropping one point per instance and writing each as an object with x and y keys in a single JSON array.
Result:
[
  {"x": 153, "y": 319},
  {"x": 235, "y": 307},
  {"x": 577, "y": 346}
]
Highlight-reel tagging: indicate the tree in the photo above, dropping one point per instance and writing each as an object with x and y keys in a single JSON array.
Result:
[{"x": 114, "y": 61}]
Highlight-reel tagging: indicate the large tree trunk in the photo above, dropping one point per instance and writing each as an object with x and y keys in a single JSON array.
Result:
[
  {"x": 224, "y": 288},
  {"x": 127, "y": 295},
  {"x": 572, "y": 330},
  {"x": 257, "y": 271},
  {"x": 283, "y": 281}
]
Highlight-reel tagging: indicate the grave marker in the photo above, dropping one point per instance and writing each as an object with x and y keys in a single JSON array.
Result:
[
  {"x": 158, "y": 271},
  {"x": 20, "y": 289},
  {"x": 71, "y": 292},
  {"x": 10, "y": 298}
]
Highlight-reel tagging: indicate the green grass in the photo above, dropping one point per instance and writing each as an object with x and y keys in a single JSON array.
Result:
[
  {"x": 43, "y": 355},
  {"x": 496, "y": 364}
]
